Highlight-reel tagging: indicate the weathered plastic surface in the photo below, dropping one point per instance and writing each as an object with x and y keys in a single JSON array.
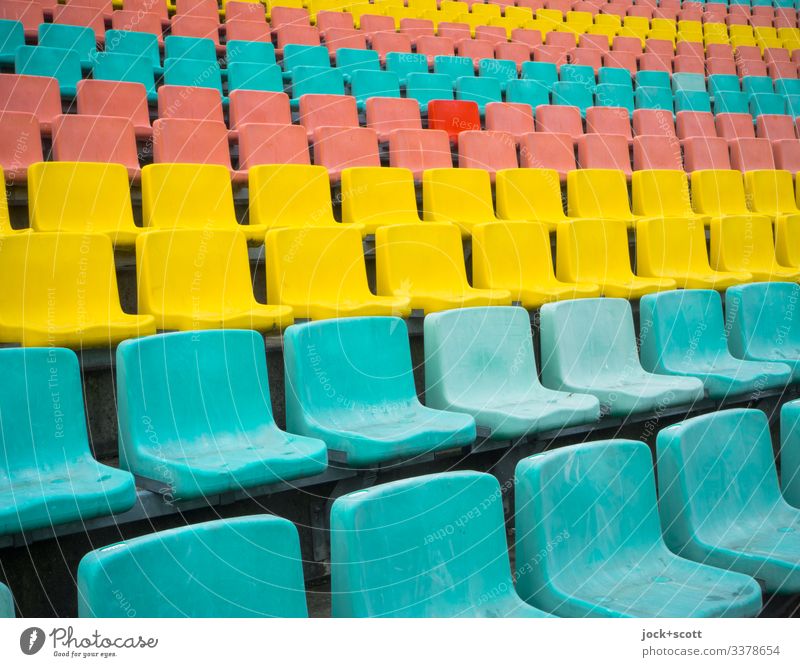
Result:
[
  {"x": 349, "y": 382},
  {"x": 195, "y": 415},
  {"x": 480, "y": 361},
  {"x": 720, "y": 502},
  {"x": 429, "y": 546},
  {"x": 47, "y": 473},
  {"x": 589, "y": 346},
  {"x": 683, "y": 333},
  {"x": 6, "y": 602},
  {"x": 242, "y": 567},
  {"x": 762, "y": 323},
  {"x": 589, "y": 543},
  {"x": 790, "y": 452}
]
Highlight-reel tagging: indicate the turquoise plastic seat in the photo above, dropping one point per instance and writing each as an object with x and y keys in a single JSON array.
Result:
[
  {"x": 653, "y": 79},
  {"x": 582, "y": 74},
  {"x": 71, "y": 37},
  {"x": 481, "y": 90},
  {"x": 753, "y": 85},
  {"x": 544, "y": 73},
  {"x": 113, "y": 66},
  {"x": 6, "y": 602},
  {"x": 427, "y": 87},
  {"x": 47, "y": 474},
  {"x": 612, "y": 95},
  {"x": 402, "y": 64},
  {"x": 205, "y": 396},
  {"x": 793, "y": 105},
  {"x": 616, "y": 76},
  {"x": 232, "y": 568},
  {"x": 301, "y": 55},
  {"x": 348, "y": 61},
  {"x": 61, "y": 64},
  {"x": 692, "y": 100},
  {"x": 405, "y": 549},
  {"x": 683, "y": 333},
  {"x": 720, "y": 502},
  {"x": 762, "y": 325},
  {"x": 730, "y": 101},
  {"x": 142, "y": 44},
  {"x": 787, "y": 87},
  {"x": 480, "y": 361},
  {"x": 505, "y": 71},
  {"x": 366, "y": 410},
  {"x": 567, "y": 93},
  {"x": 197, "y": 73},
  {"x": 193, "y": 48},
  {"x": 718, "y": 83},
  {"x": 12, "y": 36},
  {"x": 790, "y": 452},
  {"x": 367, "y": 83},
  {"x": 688, "y": 81},
  {"x": 589, "y": 542},
  {"x": 254, "y": 76},
  {"x": 526, "y": 91},
  {"x": 453, "y": 67},
  {"x": 239, "y": 51},
  {"x": 316, "y": 81},
  {"x": 604, "y": 361},
  {"x": 766, "y": 103},
  {"x": 651, "y": 97}
]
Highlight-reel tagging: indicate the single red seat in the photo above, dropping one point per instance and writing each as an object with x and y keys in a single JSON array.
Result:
[
  {"x": 627, "y": 45},
  {"x": 693, "y": 49},
  {"x": 147, "y": 7},
  {"x": 394, "y": 42},
  {"x": 530, "y": 38},
  {"x": 721, "y": 66},
  {"x": 477, "y": 49},
  {"x": 386, "y": 114},
  {"x": 191, "y": 103},
  {"x": 705, "y": 153},
  {"x": 135, "y": 22},
  {"x": 782, "y": 70},
  {"x": 775, "y": 127},
  {"x": 655, "y": 62},
  {"x": 776, "y": 55},
  {"x": 453, "y": 116},
  {"x": 691, "y": 64},
  {"x": 317, "y": 111},
  {"x": 547, "y": 150},
  {"x": 265, "y": 143},
  {"x": 293, "y": 33},
  {"x": 258, "y": 106},
  {"x": 435, "y": 46},
  {"x": 247, "y": 31},
  {"x": 550, "y": 54},
  {"x": 751, "y": 154},
  {"x": 609, "y": 120},
  {"x": 186, "y": 25},
  {"x": 751, "y": 67},
  {"x": 732, "y": 126},
  {"x": 785, "y": 17},
  {"x": 122, "y": 99},
  {"x": 623, "y": 60},
  {"x": 38, "y": 95},
  {"x": 562, "y": 40},
  {"x": 207, "y": 9},
  {"x": 19, "y": 129},
  {"x": 610, "y": 151},
  {"x": 372, "y": 24},
  {"x": 590, "y": 57},
  {"x": 78, "y": 138},
  {"x": 653, "y": 122},
  {"x": 248, "y": 11},
  {"x": 723, "y": 51},
  {"x": 640, "y": 10},
  {"x": 344, "y": 38},
  {"x": 596, "y": 42},
  {"x": 418, "y": 150},
  {"x": 337, "y": 148},
  {"x": 488, "y": 150},
  {"x": 327, "y": 19},
  {"x": 559, "y": 119},
  {"x": 88, "y": 17},
  {"x": 695, "y": 124},
  {"x": 516, "y": 119},
  {"x": 286, "y": 16},
  {"x": 651, "y": 152},
  {"x": 455, "y": 31},
  {"x": 494, "y": 34},
  {"x": 787, "y": 155},
  {"x": 514, "y": 51},
  {"x": 661, "y": 47},
  {"x": 416, "y": 28}
]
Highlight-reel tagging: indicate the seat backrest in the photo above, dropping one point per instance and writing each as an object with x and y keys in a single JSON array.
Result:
[
  {"x": 78, "y": 138},
  {"x": 191, "y": 48},
  {"x": 604, "y": 152},
  {"x": 337, "y": 148},
  {"x": 317, "y": 111},
  {"x": 6, "y": 602},
  {"x": 192, "y": 141},
  {"x": 457, "y": 195},
  {"x": 548, "y": 150},
  {"x": 250, "y": 52},
  {"x": 775, "y": 127},
  {"x": 304, "y": 55},
  {"x": 191, "y": 103},
  {"x": 695, "y": 124},
  {"x": 760, "y": 319},
  {"x": 367, "y": 84},
  {"x": 115, "y": 98},
  {"x": 187, "y": 195},
  {"x": 524, "y": 91},
  {"x": 661, "y": 192},
  {"x": 73, "y": 37},
  {"x": 245, "y": 566},
  {"x": 30, "y": 14},
  {"x": 261, "y": 143},
  {"x": 529, "y": 194},
  {"x": 61, "y": 64},
  {"x": 139, "y": 22},
  {"x": 734, "y": 125},
  {"x": 78, "y": 15},
  {"x": 419, "y": 150},
  {"x": 375, "y": 196},
  {"x": 320, "y": 80},
  {"x": 488, "y": 149},
  {"x": 290, "y": 195},
  {"x": 718, "y": 191},
  {"x": 651, "y": 97},
  {"x": 570, "y": 93},
  {"x": 19, "y": 128},
  {"x": 544, "y": 73},
  {"x": 38, "y": 95},
  {"x": 654, "y": 122},
  {"x": 385, "y": 115},
  {"x": 656, "y": 153},
  {"x": 113, "y": 66},
  {"x": 135, "y": 44},
  {"x": 454, "y": 116},
  {"x": 480, "y": 90},
  {"x": 560, "y": 120},
  {"x": 705, "y": 153},
  {"x": 770, "y": 191},
  {"x": 384, "y": 42},
  {"x": 751, "y": 154},
  {"x": 608, "y": 120},
  {"x": 512, "y": 118},
  {"x": 185, "y": 25},
  {"x": 187, "y": 72},
  {"x": 258, "y": 106},
  {"x": 692, "y": 100}
]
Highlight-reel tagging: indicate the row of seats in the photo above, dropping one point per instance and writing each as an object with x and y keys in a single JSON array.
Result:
[
  {"x": 365, "y": 411},
  {"x": 723, "y": 523}
]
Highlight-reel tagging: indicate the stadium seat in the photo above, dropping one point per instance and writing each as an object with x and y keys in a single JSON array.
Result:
[
  {"x": 30, "y": 15},
  {"x": 146, "y": 22},
  {"x": 595, "y": 251},
  {"x": 733, "y": 126},
  {"x": 481, "y": 90},
  {"x": 375, "y": 416},
  {"x": 60, "y": 64},
  {"x": 189, "y": 102},
  {"x": 240, "y": 567},
  {"x": 261, "y": 143},
  {"x": 775, "y": 128},
  {"x": 789, "y": 453},
  {"x": 606, "y": 363},
  {"x": 607, "y": 152},
  {"x": 671, "y": 317},
  {"x": 349, "y": 61},
  {"x": 719, "y": 193},
  {"x": 766, "y": 103},
  {"x": 516, "y": 256},
  {"x": 377, "y": 196},
  {"x": 191, "y": 279},
  {"x": 654, "y": 152},
  {"x": 650, "y": 97},
  {"x": 419, "y": 150},
  {"x": 751, "y": 154},
  {"x": 573, "y": 94},
  {"x": 541, "y": 72},
  {"x": 304, "y": 55},
  {"x": 503, "y": 71},
  {"x": 186, "y": 72},
  {"x": 607, "y": 120},
  {"x": 237, "y": 51},
  {"x": 257, "y": 106},
  {"x": 75, "y": 38},
  {"x": 179, "y": 47},
  {"x": 384, "y": 42},
  {"x": 113, "y": 66},
  {"x": 654, "y": 122},
  {"x": 403, "y": 64},
  {"x": 720, "y": 499},
  {"x": 653, "y": 79},
  {"x": 508, "y": 117},
  {"x": 426, "y": 264},
  {"x": 705, "y": 154},
  {"x": 316, "y": 80},
  {"x": 453, "y": 67},
  {"x": 598, "y": 193},
  {"x": 692, "y": 100},
  {"x": 548, "y": 150},
  {"x": 38, "y": 95},
  {"x": 116, "y": 98},
  {"x": 368, "y": 84},
  {"x": 384, "y": 115},
  {"x": 255, "y": 31},
  {"x": 731, "y": 102},
  {"x": 753, "y": 85},
  {"x": 454, "y": 116},
  {"x": 78, "y": 15},
  {"x": 559, "y": 120},
  {"x": 489, "y": 150},
  {"x": 770, "y": 193},
  {"x": 532, "y": 93},
  {"x": 317, "y": 111},
  {"x": 199, "y": 27},
  {"x": 462, "y": 196},
  {"x": 60, "y": 301},
  {"x": 181, "y": 140},
  {"x": 695, "y": 124},
  {"x": 337, "y": 148},
  {"x": 19, "y": 129},
  {"x": 328, "y": 291},
  {"x": 49, "y": 474},
  {"x": 6, "y": 602},
  {"x": 531, "y": 195}
]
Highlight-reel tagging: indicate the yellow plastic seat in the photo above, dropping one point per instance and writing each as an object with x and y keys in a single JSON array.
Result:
[
  {"x": 771, "y": 192},
  {"x": 598, "y": 193},
  {"x": 695, "y": 37},
  {"x": 664, "y": 25},
  {"x": 64, "y": 293},
  {"x": 461, "y": 196},
  {"x": 5, "y": 218},
  {"x": 596, "y": 251},
  {"x": 200, "y": 279},
  {"x": 290, "y": 195},
  {"x": 320, "y": 272},
  {"x": 690, "y": 27},
  {"x": 516, "y": 256},
  {"x": 675, "y": 248},
  {"x": 426, "y": 264},
  {"x": 611, "y": 20},
  {"x": 719, "y": 193},
  {"x": 553, "y": 16},
  {"x": 376, "y": 196},
  {"x": 664, "y": 193},
  {"x": 194, "y": 196},
  {"x": 579, "y": 20},
  {"x": 82, "y": 197},
  {"x": 530, "y": 195}
]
